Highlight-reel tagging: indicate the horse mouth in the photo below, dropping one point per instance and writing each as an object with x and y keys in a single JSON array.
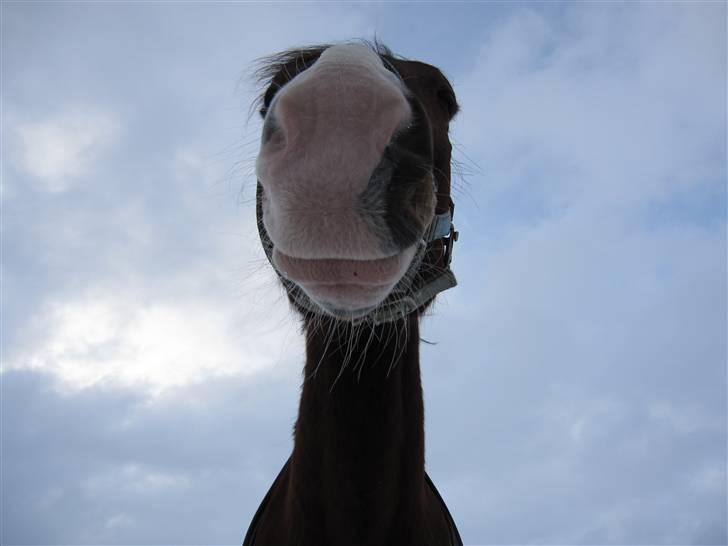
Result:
[{"x": 345, "y": 287}]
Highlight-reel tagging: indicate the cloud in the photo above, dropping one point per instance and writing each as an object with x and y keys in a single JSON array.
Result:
[
  {"x": 152, "y": 345},
  {"x": 110, "y": 466},
  {"x": 585, "y": 343},
  {"x": 58, "y": 152},
  {"x": 566, "y": 112}
]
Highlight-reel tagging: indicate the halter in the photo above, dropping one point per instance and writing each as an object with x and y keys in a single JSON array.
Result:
[{"x": 416, "y": 293}]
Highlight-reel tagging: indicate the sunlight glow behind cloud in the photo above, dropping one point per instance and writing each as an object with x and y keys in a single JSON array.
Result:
[{"x": 121, "y": 341}]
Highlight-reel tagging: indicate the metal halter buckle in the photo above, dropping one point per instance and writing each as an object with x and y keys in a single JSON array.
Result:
[{"x": 449, "y": 241}]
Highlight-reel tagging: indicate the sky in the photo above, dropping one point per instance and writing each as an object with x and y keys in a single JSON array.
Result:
[{"x": 151, "y": 366}]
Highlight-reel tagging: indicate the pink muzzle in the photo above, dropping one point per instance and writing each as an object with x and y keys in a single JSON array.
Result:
[{"x": 324, "y": 136}]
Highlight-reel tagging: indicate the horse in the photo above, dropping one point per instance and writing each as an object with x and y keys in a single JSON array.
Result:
[{"x": 355, "y": 216}]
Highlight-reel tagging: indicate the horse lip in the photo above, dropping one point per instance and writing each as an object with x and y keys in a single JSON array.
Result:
[
  {"x": 350, "y": 297},
  {"x": 323, "y": 273}
]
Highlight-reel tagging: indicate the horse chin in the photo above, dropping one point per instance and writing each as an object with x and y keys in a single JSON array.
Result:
[
  {"x": 347, "y": 302},
  {"x": 347, "y": 315}
]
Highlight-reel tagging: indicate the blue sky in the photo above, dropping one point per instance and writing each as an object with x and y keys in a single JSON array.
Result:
[{"x": 151, "y": 366}]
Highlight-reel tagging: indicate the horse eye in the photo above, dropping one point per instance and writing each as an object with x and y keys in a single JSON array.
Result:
[
  {"x": 268, "y": 98},
  {"x": 447, "y": 99}
]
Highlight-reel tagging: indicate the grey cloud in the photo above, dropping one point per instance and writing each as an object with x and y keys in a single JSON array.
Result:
[
  {"x": 108, "y": 466},
  {"x": 577, "y": 394},
  {"x": 579, "y": 385},
  {"x": 566, "y": 112}
]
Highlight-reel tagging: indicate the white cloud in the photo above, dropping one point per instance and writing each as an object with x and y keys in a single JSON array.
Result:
[
  {"x": 710, "y": 479},
  {"x": 683, "y": 420},
  {"x": 119, "y": 520},
  {"x": 59, "y": 151},
  {"x": 120, "y": 339}
]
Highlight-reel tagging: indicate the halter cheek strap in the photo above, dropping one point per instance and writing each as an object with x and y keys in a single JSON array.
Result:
[
  {"x": 414, "y": 295},
  {"x": 439, "y": 227}
]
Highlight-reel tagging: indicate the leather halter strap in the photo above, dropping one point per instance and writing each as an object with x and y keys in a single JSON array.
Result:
[{"x": 440, "y": 229}]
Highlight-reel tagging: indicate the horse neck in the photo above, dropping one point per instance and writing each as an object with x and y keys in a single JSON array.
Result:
[{"x": 357, "y": 468}]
